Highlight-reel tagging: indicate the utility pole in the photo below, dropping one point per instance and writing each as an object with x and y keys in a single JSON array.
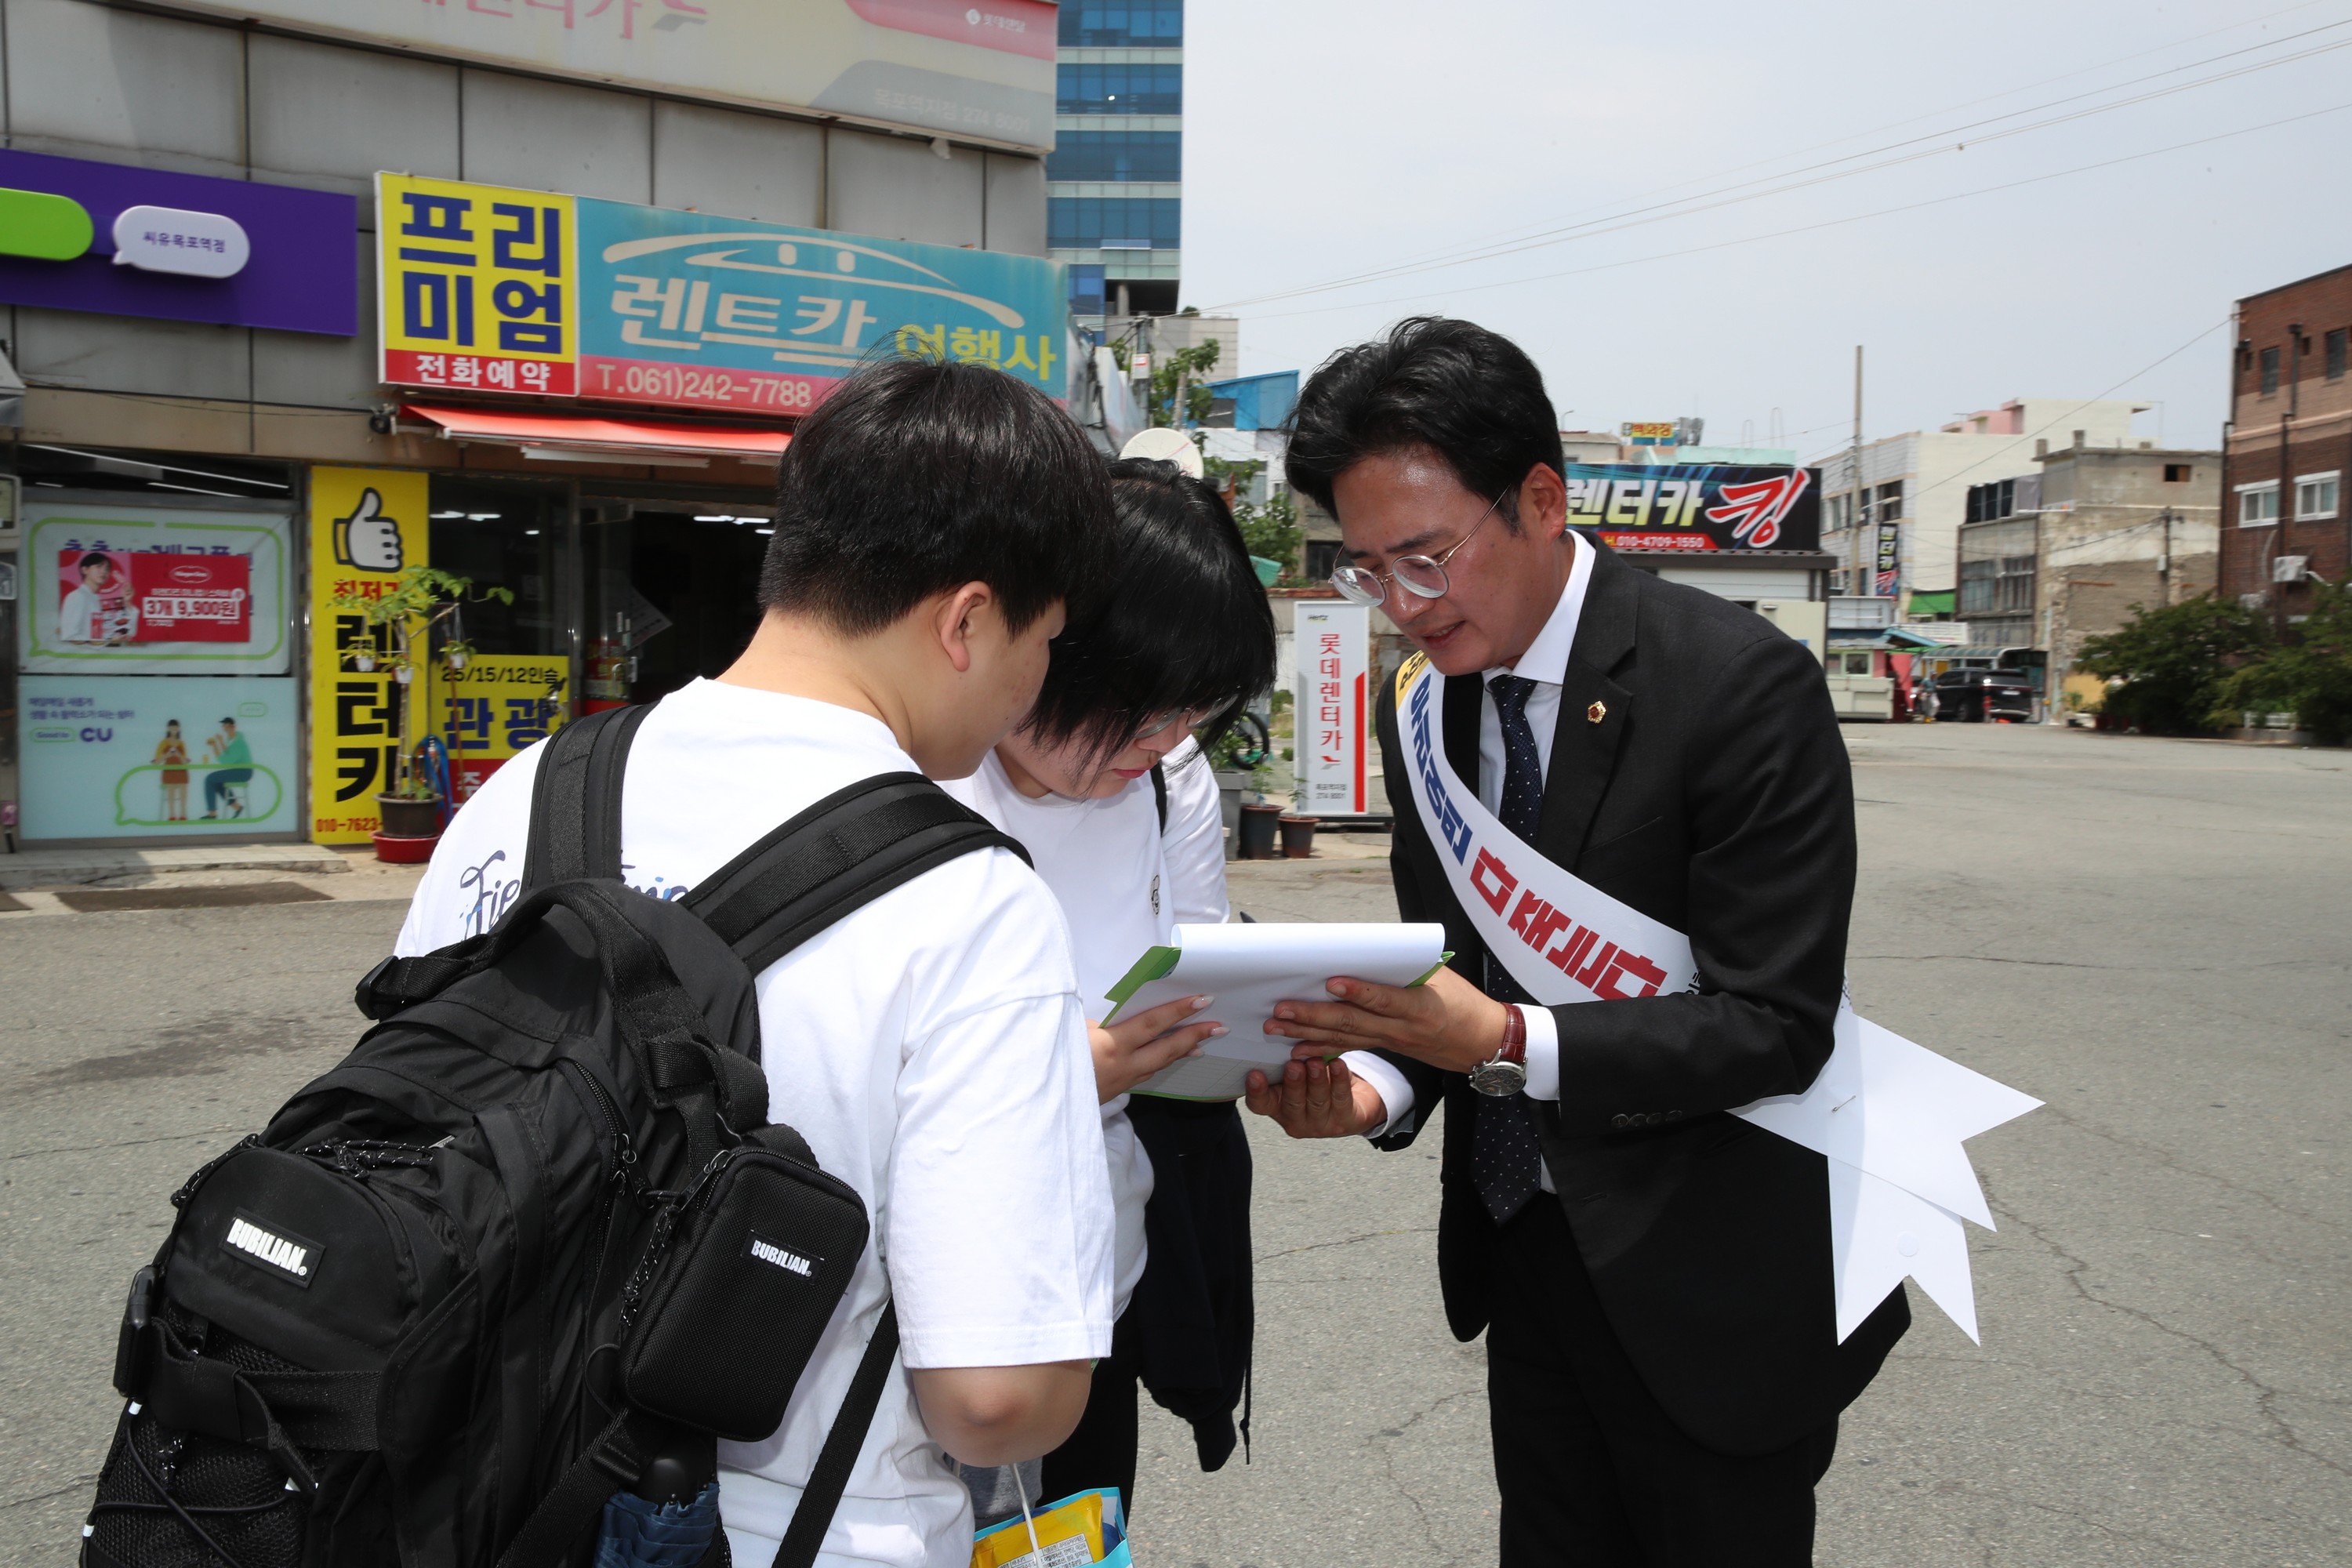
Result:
[
  {"x": 2164, "y": 564},
  {"x": 1856, "y": 506}
]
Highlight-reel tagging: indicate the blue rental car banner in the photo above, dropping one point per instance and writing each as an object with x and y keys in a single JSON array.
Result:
[{"x": 689, "y": 310}]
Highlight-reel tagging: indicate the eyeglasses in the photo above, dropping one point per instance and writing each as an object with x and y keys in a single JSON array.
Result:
[
  {"x": 1421, "y": 576},
  {"x": 1190, "y": 718}
]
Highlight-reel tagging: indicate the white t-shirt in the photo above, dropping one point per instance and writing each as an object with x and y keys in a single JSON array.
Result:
[
  {"x": 931, "y": 1049},
  {"x": 81, "y": 617},
  {"x": 1123, "y": 885}
]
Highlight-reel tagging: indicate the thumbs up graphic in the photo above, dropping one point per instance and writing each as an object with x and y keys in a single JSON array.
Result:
[{"x": 366, "y": 539}]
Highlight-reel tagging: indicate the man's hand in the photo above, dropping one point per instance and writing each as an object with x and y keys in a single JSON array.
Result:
[
  {"x": 1447, "y": 1022},
  {"x": 1131, "y": 1050},
  {"x": 1319, "y": 1099}
]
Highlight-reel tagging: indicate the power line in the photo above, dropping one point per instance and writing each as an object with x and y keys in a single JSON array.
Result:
[
  {"x": 1802, "y": 228},
  {"x": 1736, "y": 195},
  {"x": 1915, "y": 119}
]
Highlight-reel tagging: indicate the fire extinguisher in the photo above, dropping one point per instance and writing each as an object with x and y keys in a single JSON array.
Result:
[{"x": 612, "y": 670}]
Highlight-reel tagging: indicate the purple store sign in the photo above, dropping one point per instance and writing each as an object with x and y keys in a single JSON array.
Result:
[{"x": 186, "y": 248}]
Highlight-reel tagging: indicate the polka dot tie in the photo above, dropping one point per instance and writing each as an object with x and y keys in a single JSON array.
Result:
[{"x": 1506, "y": 1157}]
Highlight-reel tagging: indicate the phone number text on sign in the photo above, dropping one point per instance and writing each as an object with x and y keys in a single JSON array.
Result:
[{"x": 656, "y": 382}]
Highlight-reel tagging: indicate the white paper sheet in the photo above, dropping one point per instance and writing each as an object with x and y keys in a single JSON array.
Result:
[
  {"x": 1249, "y": 967},
  {"x": 1879, "y": 1233}
]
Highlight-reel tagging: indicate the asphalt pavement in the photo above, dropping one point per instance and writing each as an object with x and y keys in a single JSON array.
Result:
[{"x": 2151, "y": 935}]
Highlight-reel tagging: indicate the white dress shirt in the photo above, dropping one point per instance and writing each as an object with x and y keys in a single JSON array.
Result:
[{"x": 1545, "y": 663}]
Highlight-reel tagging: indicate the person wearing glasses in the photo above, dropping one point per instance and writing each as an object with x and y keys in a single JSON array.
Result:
[
  {"x": 1653, "y": 1275},
  {"x": 1107, "y": 785}
]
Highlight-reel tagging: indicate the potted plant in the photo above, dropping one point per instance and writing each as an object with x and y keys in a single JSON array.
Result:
[
  {"x": 404, "y": 620},
  {"x": 1297, "y": 835},
  {"x": 1236, "y": 761}
]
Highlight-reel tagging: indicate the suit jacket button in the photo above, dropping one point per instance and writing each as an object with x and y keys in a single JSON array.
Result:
[{"x": 1621, "y": 1120}]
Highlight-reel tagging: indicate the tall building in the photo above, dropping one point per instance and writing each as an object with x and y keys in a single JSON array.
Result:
[{"x": 1114, "y": 182}]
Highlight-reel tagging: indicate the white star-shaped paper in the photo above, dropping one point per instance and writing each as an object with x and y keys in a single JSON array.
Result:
[{"x": 1891, "y": 1116}]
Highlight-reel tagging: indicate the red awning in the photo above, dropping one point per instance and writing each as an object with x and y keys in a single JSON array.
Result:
[{"x": 585, "y": 438}]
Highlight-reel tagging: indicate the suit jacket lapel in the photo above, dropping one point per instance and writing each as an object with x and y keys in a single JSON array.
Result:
[{"x": 1594, "y": 710}]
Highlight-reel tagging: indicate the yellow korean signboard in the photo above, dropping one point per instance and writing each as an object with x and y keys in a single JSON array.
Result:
[
  {"x": 366, "y": 525},
  {"x": 480, "y": 287},
  {"x": 494, "y": 706}
]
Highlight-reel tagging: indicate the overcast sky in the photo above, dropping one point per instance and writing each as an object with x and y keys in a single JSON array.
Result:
[{"x": 1326, "y": 139}]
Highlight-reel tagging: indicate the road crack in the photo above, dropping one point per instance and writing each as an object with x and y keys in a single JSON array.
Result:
[{"x": 2281, "y": 1430}]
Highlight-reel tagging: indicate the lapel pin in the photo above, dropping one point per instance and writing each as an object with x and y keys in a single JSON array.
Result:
[{"x": 1597, "y": 712}]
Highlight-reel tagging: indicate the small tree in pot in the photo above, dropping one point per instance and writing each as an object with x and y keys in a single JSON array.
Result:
[{"x": 400, "y": 627}]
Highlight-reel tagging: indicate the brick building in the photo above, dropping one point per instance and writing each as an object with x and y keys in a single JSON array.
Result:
[{"x": 2288, "y": 451}]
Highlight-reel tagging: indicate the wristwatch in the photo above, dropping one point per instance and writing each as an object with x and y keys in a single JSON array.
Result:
[{"x": 1508, "y": 1073}]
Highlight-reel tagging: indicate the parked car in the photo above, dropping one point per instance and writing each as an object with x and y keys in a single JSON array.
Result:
[{"x": 1982, "y": 696}]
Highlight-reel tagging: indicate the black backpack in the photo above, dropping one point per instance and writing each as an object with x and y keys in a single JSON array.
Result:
[{"x": 534, "y": 1241}]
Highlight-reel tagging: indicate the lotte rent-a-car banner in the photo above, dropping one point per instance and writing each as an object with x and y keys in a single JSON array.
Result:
[
  {"x": 488, "y": 289},
  {"x": 1696, "y": 506}
]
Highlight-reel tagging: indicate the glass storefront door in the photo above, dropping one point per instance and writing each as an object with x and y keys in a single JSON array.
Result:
[{"x": 673, "y": 595}]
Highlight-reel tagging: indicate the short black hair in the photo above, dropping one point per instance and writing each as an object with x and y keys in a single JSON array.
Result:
[
  {"x": 1472, "y": 396},
  {"x": 916, "y": 477},
  {"x": 230, "y": 723},
  {"x": 1182, "y": 625},
  {"x": 94, "y": 558}
]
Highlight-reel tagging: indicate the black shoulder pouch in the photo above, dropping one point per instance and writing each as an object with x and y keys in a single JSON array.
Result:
[{"x": 728, "y": 1314}]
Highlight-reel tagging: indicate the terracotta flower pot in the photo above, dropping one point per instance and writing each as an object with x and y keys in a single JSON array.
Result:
[{"x": 1298, "y": 837}]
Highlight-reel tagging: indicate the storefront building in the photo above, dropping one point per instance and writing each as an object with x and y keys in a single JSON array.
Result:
[{"x": 304, "y": 304}]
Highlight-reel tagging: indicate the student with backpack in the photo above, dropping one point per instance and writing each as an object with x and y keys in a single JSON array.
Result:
[
  {"x": 931, "y": 521},
  {"x": 790, "y": 1176},
  {"x": 1107, "y": 785}
]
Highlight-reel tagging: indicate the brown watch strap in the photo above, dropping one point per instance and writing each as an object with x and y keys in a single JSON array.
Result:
[{"x": 1515, "y": 1036}]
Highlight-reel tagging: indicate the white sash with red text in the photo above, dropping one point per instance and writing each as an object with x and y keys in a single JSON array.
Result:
[{"x": 1890, "y": 1114}]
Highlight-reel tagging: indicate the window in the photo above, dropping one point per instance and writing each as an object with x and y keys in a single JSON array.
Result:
[
  {"x": 1117, "y": 155},
  {"x": 1138, "y": 23},
  {"x": 1857, "y": 663},
  {"x": 1114, "y": 223},
  {"x": 1997, "y": 567},
  {"x": 2258, "y": 504},
  {"x": 2338, "y": 342},
  {"x": 2176, "y": 473},
  {"x": 2314, "y": 496},
  {"x": 1985, "y": 501},
  {"x": 1322, "y": 559},
  {"x": 1890, "y": 502},
  {"x": 2270, "y": 361},
  {"x": 1119, "y": 89}
]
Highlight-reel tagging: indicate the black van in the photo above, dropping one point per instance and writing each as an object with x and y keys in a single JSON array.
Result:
[{"x": 1983, "y": 696}]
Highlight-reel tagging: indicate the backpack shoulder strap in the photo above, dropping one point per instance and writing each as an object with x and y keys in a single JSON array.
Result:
[
  {"x": 839, "y": 855},
  {"x": 1159, "y": 792},
  {"x": 575, "y": 800}
]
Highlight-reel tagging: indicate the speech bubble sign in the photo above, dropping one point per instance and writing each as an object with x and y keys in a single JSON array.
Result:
[{"x": 173, "y": 239}]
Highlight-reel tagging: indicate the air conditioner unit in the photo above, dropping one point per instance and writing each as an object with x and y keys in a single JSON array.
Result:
[
  {"x": 2253, "y": 600},
  {"x": 2290, "y": 568}
]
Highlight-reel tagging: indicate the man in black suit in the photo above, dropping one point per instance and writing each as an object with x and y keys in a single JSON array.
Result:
[{"x": 1653, "y": 1274}]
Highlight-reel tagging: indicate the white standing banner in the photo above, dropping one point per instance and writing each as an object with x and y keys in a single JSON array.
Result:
[
  {"x": 1334, "y": 728},
  {"x": 1890, "y": 1115}
]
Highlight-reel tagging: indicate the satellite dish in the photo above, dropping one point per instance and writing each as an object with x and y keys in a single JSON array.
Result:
[{"x": 1165, "y": 445}]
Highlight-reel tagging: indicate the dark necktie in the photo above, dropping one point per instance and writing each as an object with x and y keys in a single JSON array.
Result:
[{"x": 1507, "y": 1158}]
